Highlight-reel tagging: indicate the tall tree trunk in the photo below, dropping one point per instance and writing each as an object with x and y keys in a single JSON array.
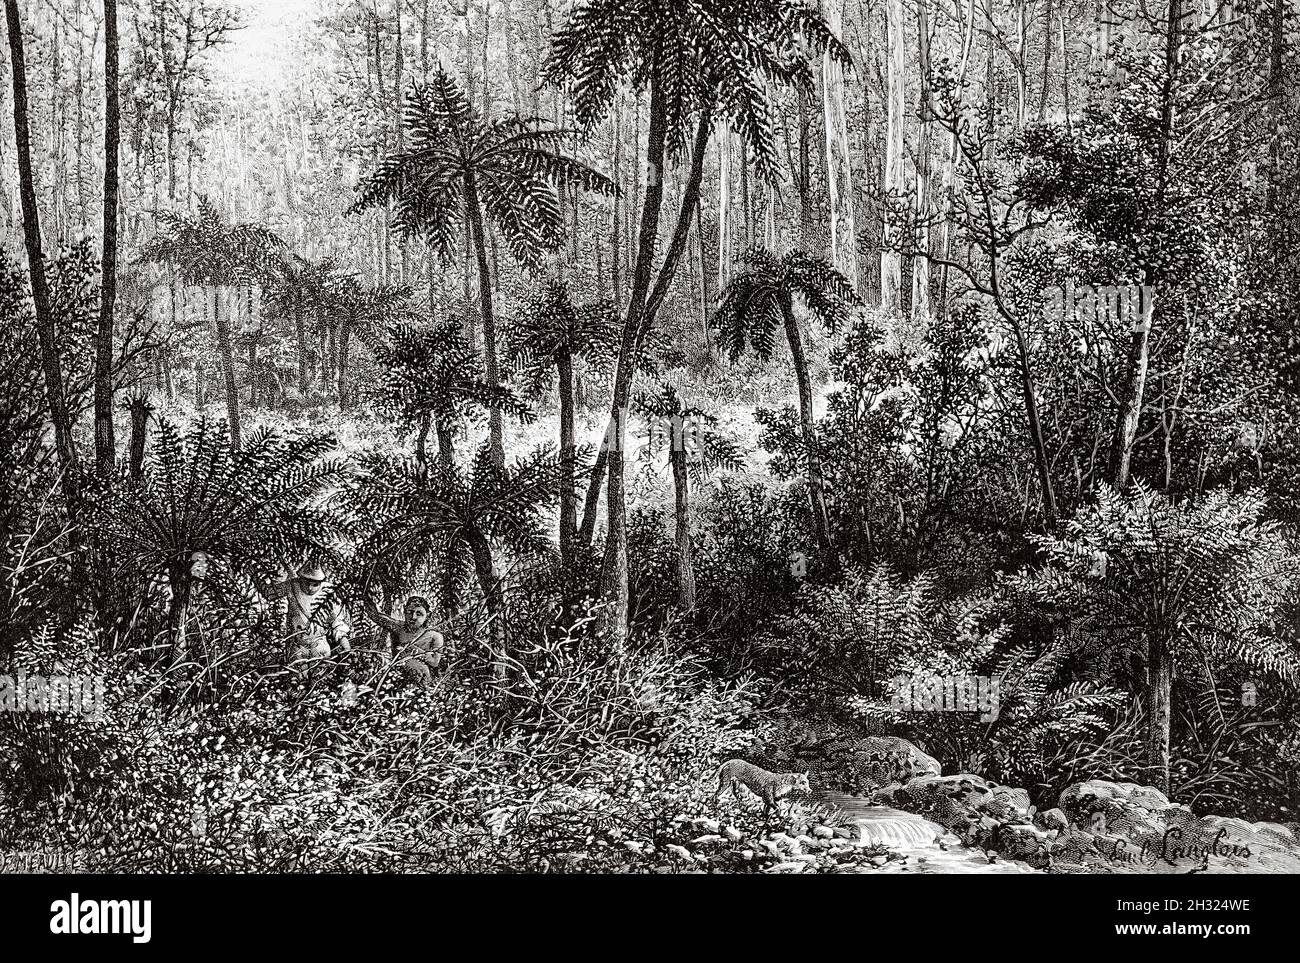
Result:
[
  {"x": 682, "y": 526},
  {"x": 491, "y": 370},
  {"x": 1049, "y": 41},
  {"x": 140, "y": 410},
  {"x": 300, "y": 332},
  {"x": 345, "y": 344},
  {"x": 839, "y": 165},
  {"x": 921, "y": 262},
  {"x": 725, "y": 255},
  {"x": 1133, "y": 387},
  {"x": 227, "y": 352},
  {"x": 494, "y": 597},
  {"x": 105, "y": 449},
  {"x": 807, "y": 240},
  {"x": 891, "y": 264},
  {"x": 808, "y": 430},
  {"x": 1159, "y": 689},
  {"x": 616, "y": 228},
  {"x": 568, "y": 490},
  {"x": 949, "y": 174},
  {"x": 591, "y": 505},
  {"x": 990, "y": 84},
  {"x": 642, "y": 309},
  {"x": 51, "y": 365}
]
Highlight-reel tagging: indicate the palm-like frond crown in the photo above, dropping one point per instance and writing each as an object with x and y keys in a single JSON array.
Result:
[
  {"x": 751, "y": 308},
  {"x": 205, "y": 250},
  {"x": 717, "y": 54},
  {"x": 666, "y": 411},
  {"x": 1206, "y": 574},
  {"x": 515, "y": 166},
  {"x": 433, "y": 370},
  {"x": 552, "y": 325},
  {"x": 250, "y": 507},
  {"x": 434, "y": 518}
]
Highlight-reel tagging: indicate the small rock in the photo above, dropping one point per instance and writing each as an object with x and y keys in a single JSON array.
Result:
[
  {"x": 879, "y": 860},
  {"x": 681, "y": 852},
  {"x": 711, "y": 826},
  {"x": 708, "y": 840},
  {"x": 790, "y": 867},
  {"x": 733, "y": 834},
  {"x": 823, "y": 832},
  {"x": 789, "y": 842},
  {"x": 843, "y": 832}
]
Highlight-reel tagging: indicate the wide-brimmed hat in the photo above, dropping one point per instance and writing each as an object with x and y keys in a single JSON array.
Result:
[{"x": 311, "y": 573}]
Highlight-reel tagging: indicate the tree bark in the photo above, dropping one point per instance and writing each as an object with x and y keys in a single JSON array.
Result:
[
  {"x": 568, "y": 491},
  {"x": 921, "y": 261},
  {"x": 891, "y": 264},
  {"x": 491, "y": 367},
  {"x": 105, "y": 449},
  {"x": 839, "y": 166},
  {"x": 493, "y": 597},
  {"x": 641, "y": 313},
  {"x": 807, "y": 427},
  {"x": 682, "y": 526},
  {"x": 51, "y": 365},
  {"x": 1133, "y": 389},
  {"x": 226, "y": 350},
  {"x": 1159, "y": 690}
]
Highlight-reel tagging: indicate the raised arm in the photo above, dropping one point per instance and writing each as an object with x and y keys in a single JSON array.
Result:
[{"x": 383, "y": 621}]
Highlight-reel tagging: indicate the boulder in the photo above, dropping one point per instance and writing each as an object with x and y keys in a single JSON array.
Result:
[{"x": 1126, "y": 827}]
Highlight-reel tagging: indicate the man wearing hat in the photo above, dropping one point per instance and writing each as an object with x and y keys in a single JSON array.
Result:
[{"x": 310, "y": 619}]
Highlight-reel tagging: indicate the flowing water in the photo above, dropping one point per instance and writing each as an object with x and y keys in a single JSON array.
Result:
[{"x": 917, "y": 838}]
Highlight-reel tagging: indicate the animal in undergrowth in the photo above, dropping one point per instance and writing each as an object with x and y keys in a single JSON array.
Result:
[{"x": 771, "y": 787}]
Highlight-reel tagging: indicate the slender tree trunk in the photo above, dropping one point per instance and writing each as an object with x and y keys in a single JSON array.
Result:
[
  {"x": 1159, "y": 689},
  {"x": 616, "y": 228},
  {"x": 422, "y": 445},
  {"x": 839, "y": 165},
  {"x": 568, "y": 490},
  {"x": 642, "y": 309},
  {"x": 1133, "y": 389},
  {"x": 494, "y": 597},
  {"x": 591, "y": 505},
  {"x": 140, "y": 410},
  {"x": 51, "y": 364},
  {"x": 1049, "y": 41},
  {"x": 807, "y": 240},
  {"x": 891, "y": 264},
  {"x": 816, "y": 482},
  {"x": 921, "y": 262},
  {"x": 345, "y": 344},
  {"x": 446, "y": 446},
  {"x": 226, "y": 350},
  {"x": 496, "y": 434},
  {"x": 949, "y": 174},
  {"x": 682, "y": 527},
  {"x": 105, "y": 449},
  {"x": 990, "y": 84},
  {"x": 725, "y": 255}
]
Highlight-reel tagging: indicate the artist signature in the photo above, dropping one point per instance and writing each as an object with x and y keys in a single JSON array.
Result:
[{"x": 1172, "y": 849}]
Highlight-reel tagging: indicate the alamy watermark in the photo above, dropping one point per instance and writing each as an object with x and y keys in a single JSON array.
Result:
[
  {"x": 948, "y": 693},
  {"x": 1128, "y": 305},
  {"x": 672, "y": 433},
  {"x": 80, "y": 695}
]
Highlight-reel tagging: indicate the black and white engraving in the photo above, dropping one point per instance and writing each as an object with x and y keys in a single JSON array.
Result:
[{"x": 649, "y": 436}]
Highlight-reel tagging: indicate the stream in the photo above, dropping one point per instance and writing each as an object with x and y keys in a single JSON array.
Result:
[{"x": 916, "y": 838}]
